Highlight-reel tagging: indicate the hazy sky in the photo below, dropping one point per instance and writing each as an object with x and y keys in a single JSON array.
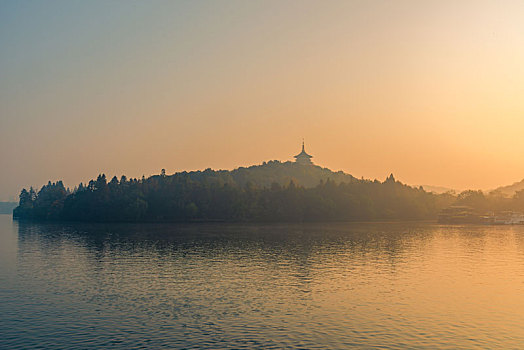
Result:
[{"x": 431, "y": 91}]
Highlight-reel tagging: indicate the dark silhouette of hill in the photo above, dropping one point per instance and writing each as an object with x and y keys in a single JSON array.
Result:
[
  {"x": 273, "y": 191},
  {"x": 282, "y": 173},
  {"x": 7, "y": 207}
]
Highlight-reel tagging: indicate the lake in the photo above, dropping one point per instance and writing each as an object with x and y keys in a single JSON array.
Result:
[{"x": 267, "y": 286}]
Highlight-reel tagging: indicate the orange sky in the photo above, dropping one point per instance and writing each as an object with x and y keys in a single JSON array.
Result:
[{"x": 431, "y": 91}]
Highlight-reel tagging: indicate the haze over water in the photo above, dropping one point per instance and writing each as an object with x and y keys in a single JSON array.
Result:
[
  {"x": 429, "y": 90},
  {"x": 390, "y": 285}
]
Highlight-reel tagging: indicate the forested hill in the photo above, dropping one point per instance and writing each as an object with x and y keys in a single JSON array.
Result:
[
  {"x": 276, "y": 172},
  {"x": 273, "y": 191},
  {"x": 510, "y": 190}
]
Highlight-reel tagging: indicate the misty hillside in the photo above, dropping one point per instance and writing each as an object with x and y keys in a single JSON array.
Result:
[
  {"x": 7, "y": 207},
  {"x": 282, "y": 173},
  {"x": 273, "y": 191},
  {"x": 268, "y": 173},
  {"x": 511, "y": 189},
  {"x": 438, "y": 189}
]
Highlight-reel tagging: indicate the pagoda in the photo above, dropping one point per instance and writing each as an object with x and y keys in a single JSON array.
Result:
[{"x": 303, "y": 158}]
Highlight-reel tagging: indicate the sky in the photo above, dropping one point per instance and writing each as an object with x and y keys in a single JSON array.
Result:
[{"x": 431, "y": 91}]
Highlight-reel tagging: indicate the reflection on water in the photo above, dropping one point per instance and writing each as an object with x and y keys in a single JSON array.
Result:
[{"x": 392, "y": 285}]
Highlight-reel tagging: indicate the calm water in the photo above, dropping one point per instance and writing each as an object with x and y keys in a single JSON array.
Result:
[{"x": 260, "y": 286}]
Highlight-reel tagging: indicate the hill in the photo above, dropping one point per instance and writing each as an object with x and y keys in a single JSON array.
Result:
[
  {"x": 273, "y": 191},
  {"x": 7, "y": 207},
  {"x": 438, "y": 189},
  {"x": 510, "y": 190},
  {"x": 271, "y": 172}
]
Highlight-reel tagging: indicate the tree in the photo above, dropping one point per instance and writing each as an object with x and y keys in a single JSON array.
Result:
[{"x": 273, "y": 192}]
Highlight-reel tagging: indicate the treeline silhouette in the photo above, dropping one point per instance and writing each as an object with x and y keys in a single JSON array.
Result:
[
  {"x": 273, "y": 191},
  {"x": 494, "y": 201}
]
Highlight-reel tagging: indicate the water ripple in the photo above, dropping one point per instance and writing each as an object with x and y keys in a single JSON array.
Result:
[{"x": 336, "y": 286}]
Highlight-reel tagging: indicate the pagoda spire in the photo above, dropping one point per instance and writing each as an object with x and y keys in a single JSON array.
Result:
[{"x": 303, "y": 157}]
